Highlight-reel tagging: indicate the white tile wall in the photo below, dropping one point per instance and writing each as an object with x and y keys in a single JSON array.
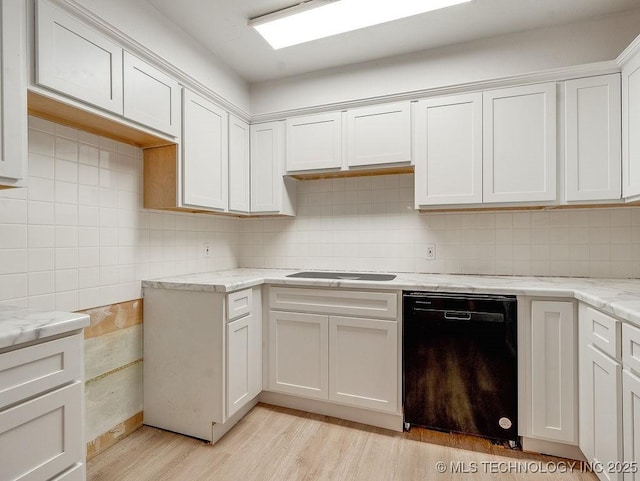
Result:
[
  {"x": 78, "y": 236},
  {"x": 370, "y": 224}
]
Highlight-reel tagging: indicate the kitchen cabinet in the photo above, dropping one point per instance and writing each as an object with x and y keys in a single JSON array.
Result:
[
  {"x": 13, "y": 100},
  {"x": 239, "y": 166},
  {"x": 271, "y": 192},
  {"x": 203, "y": 359},
  {"x": 600, "y": 388},
  {"x": 42, "y": 392},
  {"x": 592, "y": 141},
  {"x": 205, "y": 151},
  {"x": 448, "y": 150},
  {"x": 631, "y": 399},
  {"x": 75, "y": 60},
  {"x": 630, "y": 127},
  {"x": 314, "y": 142},
  {"x": 519, "y": 144},
  {"x": 335, "y": 345},
  {"x": 151, "y": 97},
  {"x": 379, "y": 135},
  {"x": 553, "y": 370}
]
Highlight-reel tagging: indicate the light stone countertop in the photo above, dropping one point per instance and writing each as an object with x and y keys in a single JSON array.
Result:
[
  {"x": 19, "y": 325},
  {"x": 620, "y": 297}
]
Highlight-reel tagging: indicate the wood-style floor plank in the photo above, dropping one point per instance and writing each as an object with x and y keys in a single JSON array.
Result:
[{"x": 279, "y": 444}]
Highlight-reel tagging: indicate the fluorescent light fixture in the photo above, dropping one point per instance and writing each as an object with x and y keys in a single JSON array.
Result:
[{"x": 316, "y": 19}]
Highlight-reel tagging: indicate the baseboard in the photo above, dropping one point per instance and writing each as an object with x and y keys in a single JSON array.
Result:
[{"x": 114, "y": 435}]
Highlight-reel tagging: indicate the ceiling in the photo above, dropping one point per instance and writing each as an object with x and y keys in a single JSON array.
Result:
[{"x": 221, "y": 27}]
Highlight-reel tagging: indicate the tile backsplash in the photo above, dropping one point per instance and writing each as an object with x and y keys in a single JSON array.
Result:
[
  {"x": 78, "y": 237},
  {"x": 369, "y": 223}
]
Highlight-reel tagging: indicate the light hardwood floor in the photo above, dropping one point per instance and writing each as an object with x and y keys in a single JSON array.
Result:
[{"x": 278, "y": 444}]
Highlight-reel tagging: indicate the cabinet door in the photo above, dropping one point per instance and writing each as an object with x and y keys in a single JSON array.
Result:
[
  {"x": 449, "y": 150},
  {"x": 593, "y": 132},
  {"x": 151, "y": 97},
  {"x": 554, "y": 406},
  {"x": 239, "y": 186},
  {"x": 205, "y": 153},
  {"x": 77, "y": 61},
  {"x": 239, "y": 363},
  {"x": 314, "y": 142},
  {"x": 379, "y": 135},
  {"x": 631, "y": 424},
  {"x": 363, "y": 362},
  {"x": 298, "y": 350},
  {"x": 519, "y": 132},
  {"x": 603, "y": 411},
  {"x": 631, "y": 127},
  {"x": 13, "y": 95},
  {"x": 48, "y": 430}
]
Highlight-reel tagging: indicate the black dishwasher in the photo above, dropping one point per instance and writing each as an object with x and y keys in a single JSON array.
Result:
[{"x": 460, "y": 370}]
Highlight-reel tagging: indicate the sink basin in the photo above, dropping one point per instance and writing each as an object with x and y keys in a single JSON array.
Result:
[{"x": 349, "y": 276}]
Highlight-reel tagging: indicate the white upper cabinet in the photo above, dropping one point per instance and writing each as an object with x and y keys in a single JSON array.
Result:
[
  {"x": 151, "y": 97},
  {"x": 631, "y": 127},
  {"x": 239, "y": 183},
  {"x": 271, "y": 193},
  {"x": 75, "y": 60},
  {"x": 205, "y": 153},
  {"x": 593, "y": 133},
  {"x": 379, "y": 135},
  {"x": 448, "y": 150},
  {"x": 13, "y": 100},
  {"x": 519, "y": 131},
  {"x": 314, "y": 142}
]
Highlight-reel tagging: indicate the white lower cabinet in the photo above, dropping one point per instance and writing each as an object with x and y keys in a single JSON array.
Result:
[
  {"x": 363, "y": 362},
  {"x": 631, "y": 423},
  {"x": 239, "y": 361}
]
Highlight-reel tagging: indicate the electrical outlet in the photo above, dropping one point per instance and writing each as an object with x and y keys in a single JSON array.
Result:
[
  {"x": 206, "y": 249},
  {"x": 431, "y": 251}
]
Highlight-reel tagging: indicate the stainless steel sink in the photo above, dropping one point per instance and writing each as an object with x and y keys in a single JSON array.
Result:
[{"x": 350, "y": 276}]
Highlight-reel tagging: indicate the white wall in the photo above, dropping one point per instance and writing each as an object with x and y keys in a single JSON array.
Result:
[
  {"x": 143, "y": 23},
  {"x": 78, "y": 237},
  {"x": 369, "y": 224},
  {"x": 507, "y": 55}
]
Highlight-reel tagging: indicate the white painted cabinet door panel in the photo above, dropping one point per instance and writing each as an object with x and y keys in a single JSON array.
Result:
[
  {"x": 49, "y": 431},
  {"x": 314, "y": 142},
  {"x": 151, "y": 97},
  {"x": 363, "y": 362},
  {"x": 631, "y": 424},
  {"x": 298, "y": 354},
  {"x": 519, "y": 144},
  {"x": 239, "y": 178},
  {"x": 554, "y": 406},
  {"x": 13, "y": 95},
  {"x": 239, "y": 363},
  {"x": 379, "y": 135},
  {"x": 448, "y": 148},
  {"x": 76, "y": 60},
  {"x": 205, "y": 161},
  {"x": 593, "y": 133},
  {"x": 631, "y": 127}
]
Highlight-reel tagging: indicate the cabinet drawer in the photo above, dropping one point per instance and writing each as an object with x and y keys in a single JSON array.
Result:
[
  {"x": 77, "y": 473},
  {"x": 35, "y": 369},
  {"x": 382, "y": 305},
  {"x": 239, "y": 304},
  {"x": 602, "y": 331},
  {"x": 631, "y": 348},
  {"x": 50, "y": 426}
]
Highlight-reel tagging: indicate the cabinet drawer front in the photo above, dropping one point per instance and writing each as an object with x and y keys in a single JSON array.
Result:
[
  {"x": 382, "y": 305},
  {"x": 51, "y": 427},
  {"x": 631, "y": 348},
  {"x": 602, "y": 331},
  {"x": 239, "y": 304},
  {"x": 35, "y": 369}
]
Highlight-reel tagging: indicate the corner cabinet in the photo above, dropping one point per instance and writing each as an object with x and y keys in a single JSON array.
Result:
[
  {"x": 271, "y": 192},
  {"x": 519, "y": 144},
  {"x": 631, "y": 126},
  {"x": 239, "y": 166},
  {"x": 13, "y": 100}
]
